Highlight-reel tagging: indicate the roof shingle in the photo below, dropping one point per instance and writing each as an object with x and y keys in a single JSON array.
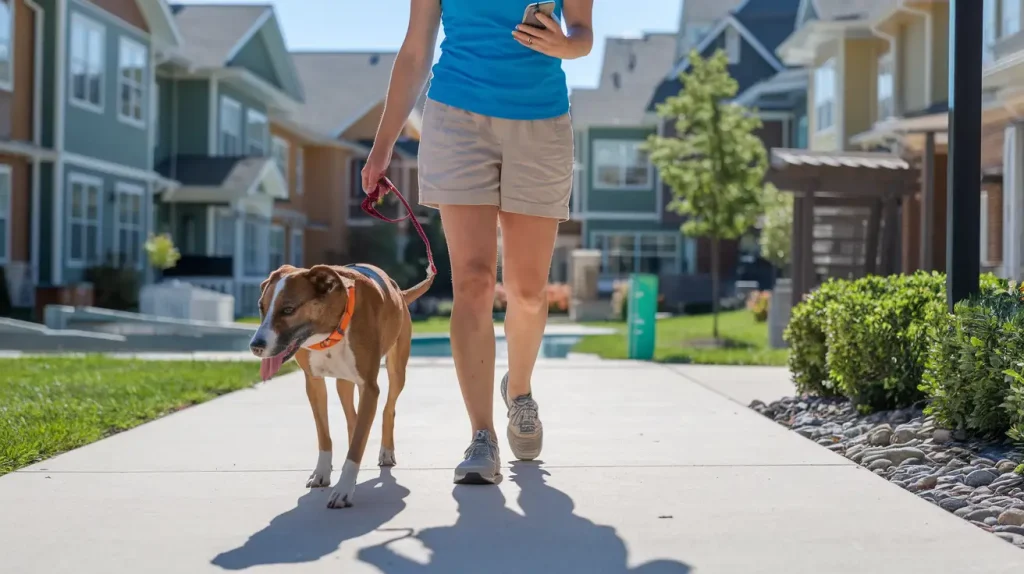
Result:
[{"x": 211, "y": 31}]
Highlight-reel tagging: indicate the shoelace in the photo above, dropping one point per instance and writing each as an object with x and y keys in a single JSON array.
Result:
[
  {"x": 523, "y": 413},
  {"x": 481, "y": 446}
]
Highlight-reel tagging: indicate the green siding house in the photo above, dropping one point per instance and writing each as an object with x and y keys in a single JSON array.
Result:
[
  {"x": 214, "y": 146},
  {"x": 95, "y": 186}
]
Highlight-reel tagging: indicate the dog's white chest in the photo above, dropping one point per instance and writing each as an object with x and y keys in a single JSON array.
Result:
[{"x": 337, "y": 362}]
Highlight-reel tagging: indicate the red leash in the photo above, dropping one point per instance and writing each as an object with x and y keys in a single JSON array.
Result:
[{"x": 384, "y": 187}]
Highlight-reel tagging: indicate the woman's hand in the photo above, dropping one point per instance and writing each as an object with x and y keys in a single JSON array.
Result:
[
  {"x": 376, "y": 166},
  {"x": 551, "y": 41}
]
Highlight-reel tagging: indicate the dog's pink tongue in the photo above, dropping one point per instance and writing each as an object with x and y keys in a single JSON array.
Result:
[{"x": 270, "y": 367}]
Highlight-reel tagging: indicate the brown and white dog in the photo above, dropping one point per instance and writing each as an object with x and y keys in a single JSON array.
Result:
[{"x": 339, "y": 322}]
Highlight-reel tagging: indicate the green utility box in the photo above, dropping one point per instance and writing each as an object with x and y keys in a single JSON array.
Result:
[{"x": 640, "y": 317}]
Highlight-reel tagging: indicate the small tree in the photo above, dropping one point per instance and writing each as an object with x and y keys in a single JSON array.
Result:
[
  {"x": 715, "y": 164},
  {"x": 777, "y": 230}
]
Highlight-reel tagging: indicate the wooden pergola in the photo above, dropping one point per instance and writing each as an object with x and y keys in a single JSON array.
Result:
[{"x": 846, "y": 212}]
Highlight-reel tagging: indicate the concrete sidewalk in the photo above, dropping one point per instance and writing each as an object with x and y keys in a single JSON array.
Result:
[{"x": 647, "y": 469}]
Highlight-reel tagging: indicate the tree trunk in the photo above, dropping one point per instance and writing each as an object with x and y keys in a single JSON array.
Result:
[{"x": 714, "y": 286}]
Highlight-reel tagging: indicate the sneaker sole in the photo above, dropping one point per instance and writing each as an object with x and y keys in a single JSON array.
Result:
[
  {"x": 476, "y": 478},
  {"x": 523, "y": 448}
]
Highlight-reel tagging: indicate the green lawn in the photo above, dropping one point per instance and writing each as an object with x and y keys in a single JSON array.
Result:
[
  {"x": 51, "y": 405},
  {"x": 675, "y": 339}
]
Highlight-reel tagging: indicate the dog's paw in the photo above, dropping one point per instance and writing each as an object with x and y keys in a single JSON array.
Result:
[
  {"x": 317, "y": 480},
  {"x": 386, "y": 458},
  {"x": 339, "y": 499}
]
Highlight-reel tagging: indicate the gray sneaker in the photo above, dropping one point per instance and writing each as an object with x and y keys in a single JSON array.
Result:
[
  {"x": 525, "y": 432},
  {"x": 480, "y": 464}
]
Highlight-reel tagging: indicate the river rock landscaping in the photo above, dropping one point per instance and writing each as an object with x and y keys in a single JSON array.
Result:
[
  {"x": 930, "y": 400},
  {"x": 979, "y": 481}
]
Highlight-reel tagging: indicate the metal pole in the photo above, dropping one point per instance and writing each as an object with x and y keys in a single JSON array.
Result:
[{"x": 963, "y": 219}]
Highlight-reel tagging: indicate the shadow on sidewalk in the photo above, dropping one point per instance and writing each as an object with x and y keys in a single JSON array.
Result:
[
  {"x": 490, "y": 537},
  {"x": 311, "y": 531}
]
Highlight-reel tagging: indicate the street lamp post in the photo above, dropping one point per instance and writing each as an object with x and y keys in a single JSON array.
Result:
[{"x": 963, "y": 208}]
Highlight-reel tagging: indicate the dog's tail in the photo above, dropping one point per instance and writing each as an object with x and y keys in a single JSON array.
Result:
[{"x": 416, "y": 291}]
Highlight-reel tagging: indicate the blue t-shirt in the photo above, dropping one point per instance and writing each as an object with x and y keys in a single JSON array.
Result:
[{"x": 484, "y": 70}]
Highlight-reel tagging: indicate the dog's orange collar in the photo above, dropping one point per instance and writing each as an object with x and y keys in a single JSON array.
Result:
[{"x": 346, "y": 318}]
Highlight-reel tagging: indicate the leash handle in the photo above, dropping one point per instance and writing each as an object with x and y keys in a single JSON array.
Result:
[{"x": 384, "y": 187}]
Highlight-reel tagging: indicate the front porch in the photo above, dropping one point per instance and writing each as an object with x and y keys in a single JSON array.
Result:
[{"x": 222, "y": 221}]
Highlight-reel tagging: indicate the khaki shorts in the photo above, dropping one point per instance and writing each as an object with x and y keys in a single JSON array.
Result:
[{"x": 519, "y": 166}]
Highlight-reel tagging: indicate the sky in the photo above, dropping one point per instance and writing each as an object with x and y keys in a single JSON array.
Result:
[{"x": 380, "y": 25}]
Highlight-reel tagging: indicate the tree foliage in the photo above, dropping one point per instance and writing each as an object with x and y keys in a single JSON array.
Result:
[
  {"x": 777, "y": 228},
  {"x": 715, "y": 163}
]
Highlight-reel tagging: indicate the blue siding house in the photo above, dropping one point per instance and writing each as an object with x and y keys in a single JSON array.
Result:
[
  {"x": 95, "y": 189},
  {"x": 214, "y": 146}
]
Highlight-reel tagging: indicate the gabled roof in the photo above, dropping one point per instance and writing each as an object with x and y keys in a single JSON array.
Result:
[
  {"x": 215, "y": 34},
  {"x": 631, "y": 69},
  {"x": 162, "y": 26},
  {"x": 837, "y": 10},
  {"x": 222, "y": 179},
  {"x": 762, "y": 24},
  {"x": 342, "y": 87}
]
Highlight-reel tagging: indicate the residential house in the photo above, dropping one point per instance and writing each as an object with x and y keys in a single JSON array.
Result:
[
  {"x": 21, "y": 146},
  {"x": 346, "y": 114},
  {"x": 748, "y": 35},
  {"x": 1003, "y": 136},
  {"x": 614, "y": 182},
  {"x": 214, "y": 145},
  {"x": 866, "y": 190},
  {"x": 614, "y": 204},
  {"x": 696, "y": 19},
  {"x": 75, "y": 69},
  {"x": 911, "y": 118}
]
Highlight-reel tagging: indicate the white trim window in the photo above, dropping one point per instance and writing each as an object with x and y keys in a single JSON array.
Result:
[
  {"x": 128, "y": 224},
  {"x": 298, "y": 246},
  {"x": 256, "y": 132},
  {"x": 84, "y": 220},
  {"x": 5, "y": 213},
  {"x": 628, "y": 252},
  {"x": 733, "y": 45},
  {"x": 276, "y": 246},
  {"x": 622, "y": 165},
  {"x": 87, "y": 62},
  {"x": 7, "y": 8},
  {"x": 230, "y": 127},
  {"x": 281, "y": 148},
  {"x": 253, "y": 253},
  {"x": 990, "y": 28},
  {"x": 1010, "y": 17},
  {"x": 825, "y": 96},
  {"x": 886, "y": 88},
  {"x": 131, "y": 82},
  {"x": 300, "y": 170}
]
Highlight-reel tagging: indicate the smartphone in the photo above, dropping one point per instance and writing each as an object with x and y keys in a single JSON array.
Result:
[{"x": 530, "y": 16}]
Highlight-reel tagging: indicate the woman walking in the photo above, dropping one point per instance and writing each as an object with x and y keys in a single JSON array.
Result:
[{"x": 496, "y": 146}]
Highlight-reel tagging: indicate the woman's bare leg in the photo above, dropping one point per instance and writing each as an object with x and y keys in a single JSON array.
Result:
[
  {"x": 527, "y": 245},
  {"x": 472, "y": 235}
]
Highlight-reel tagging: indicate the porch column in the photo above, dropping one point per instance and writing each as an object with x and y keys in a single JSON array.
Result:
[
  {"x": 1013, "y": 201},
  {"x": 797, "y": 250},
  {"x": 927, "y": 202},
  {"x": 871, "y": 239},
  {"x": 807, "y": 232}
]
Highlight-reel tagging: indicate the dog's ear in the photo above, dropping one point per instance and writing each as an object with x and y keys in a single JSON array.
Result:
[
  {"x": 325, "y": 279},
  {"x": 282, "y": 270}
]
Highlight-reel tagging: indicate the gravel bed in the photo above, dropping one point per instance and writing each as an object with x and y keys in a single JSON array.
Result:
[{"x": 974, "y": 479}]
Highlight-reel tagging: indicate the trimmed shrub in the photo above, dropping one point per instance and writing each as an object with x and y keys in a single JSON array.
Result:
[
  {"x": 559, "y": 295},
  {"x": 975, "y": 368},
  {"x": 877, "y": 338},
  {"x": 805, "y": 333}
]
